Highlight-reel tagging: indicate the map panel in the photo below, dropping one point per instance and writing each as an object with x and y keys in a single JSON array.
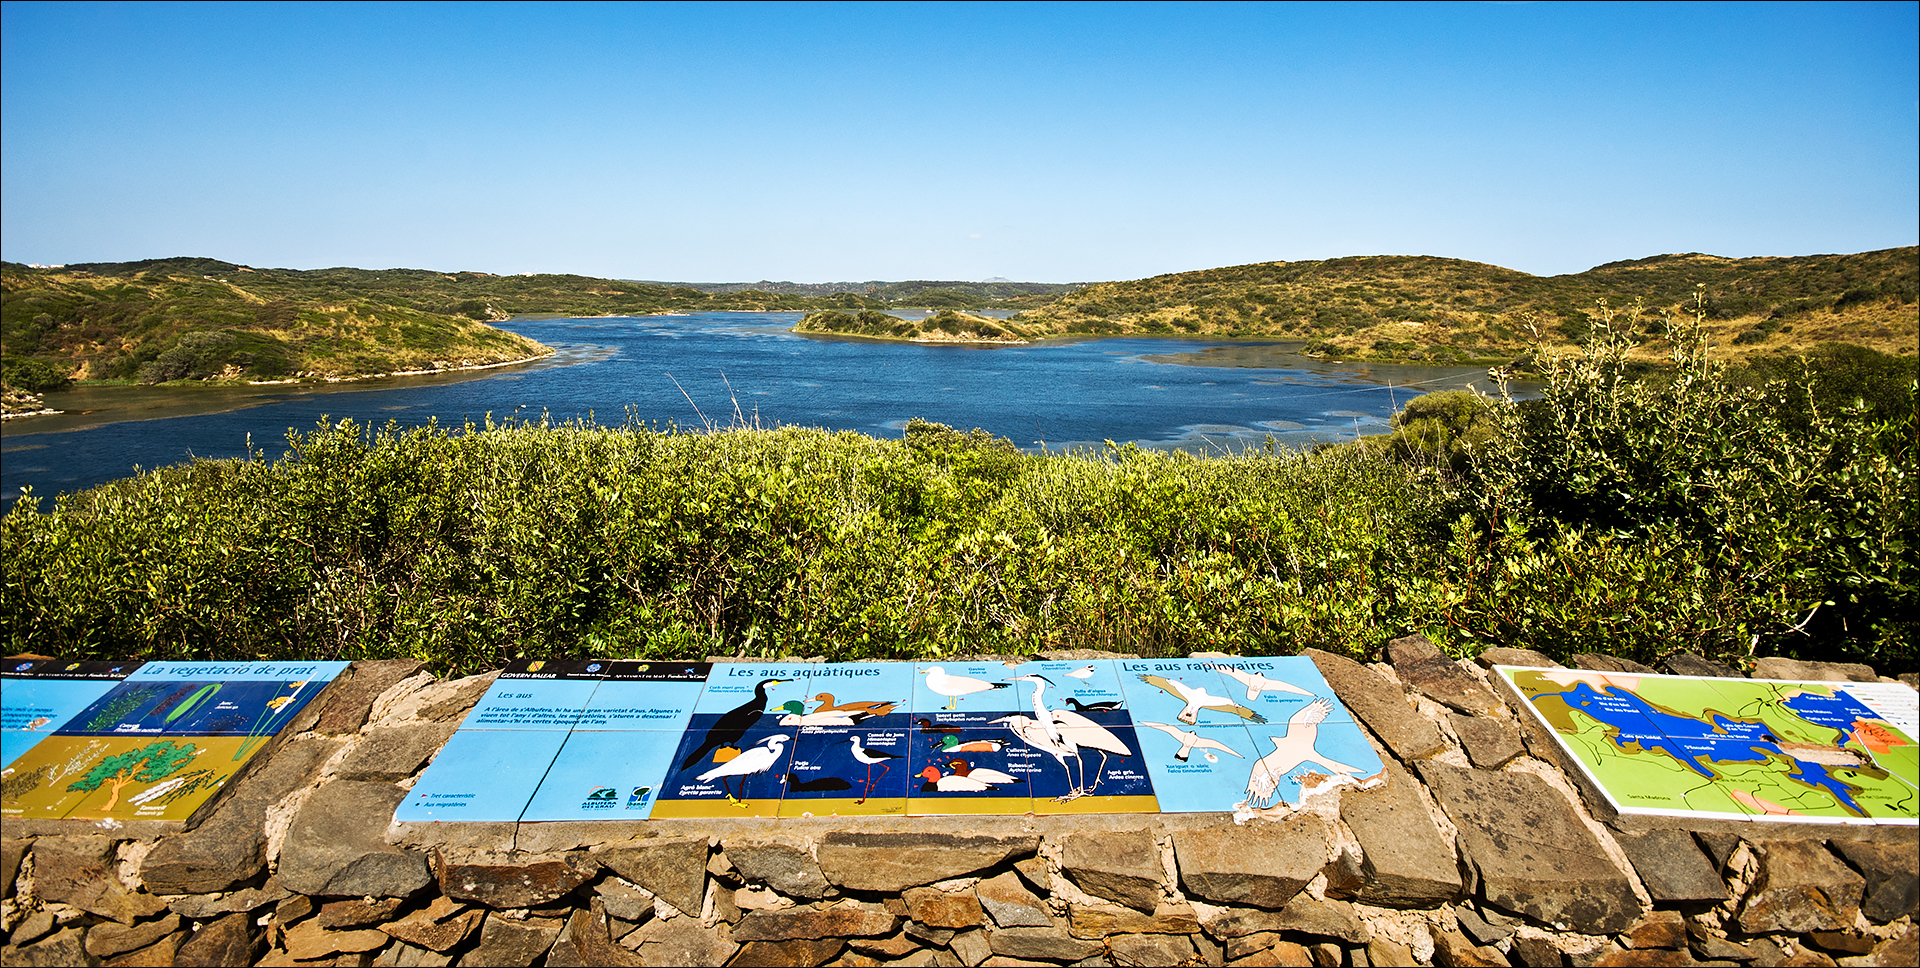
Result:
[
  {"x": 1759, "y": 749},
  {"x": 162, "y": 741}
]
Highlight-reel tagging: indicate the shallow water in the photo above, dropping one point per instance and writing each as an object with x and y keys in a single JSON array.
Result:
[{"x": 726, "y": 369}]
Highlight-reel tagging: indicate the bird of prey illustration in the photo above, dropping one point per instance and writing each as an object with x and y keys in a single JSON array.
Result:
[
  {"x": 1290, "y": 750},
  {"x": 1190, "y": 741},
  {"x": 1257, "y": 683},
  {"x": 732, "y": 724},
  {"x": 757, "y": 759},
  {"x": 953, "y": 687},
  {"x": 1197, "y": 698}
]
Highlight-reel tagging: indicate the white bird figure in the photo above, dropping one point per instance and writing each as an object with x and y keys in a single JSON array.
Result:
[
  {"x": 1198, "y": 698},
  {"x": 1068, "y": 732},
  {"x": 758, "y": 759},
  {"x": 872, "y": 758},
  {"x": 1083, "y": 673},
  {"x": 1257, "y": 683},
  {"x": 1036, "y": 736},
  {"x": 953, "y": 687},
  {"x": 1190, "y": 741},
  {"x": 1291, "y": 750}
]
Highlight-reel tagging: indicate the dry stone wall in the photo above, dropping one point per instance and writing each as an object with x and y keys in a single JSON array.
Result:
[{"x": 1479, "y": 850}]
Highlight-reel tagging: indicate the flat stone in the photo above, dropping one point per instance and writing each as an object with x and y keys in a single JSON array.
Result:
[
  {"x": 357, "y": 912},
  {"x": 229, "y": 848},
  {"x": 1489, "y": 743},
  {"x": 1538, "y": 952},
  {"x": 337, "y": 845},
  {"x": 892, "y": 946},
  {"x": 1779, "y": 667},
  {"x": 228, "y": 940},
  {"x": 1119, "y": 865},
  {"x": 971, "y": 947},
  {"x": 453, "y": 699},
  {"x": 675, "y": 868},
  {"x": 938, "y": 937},
  {"x": 799, "y": 953},
  {"x": 202, "y": 907},
  {"x": 32, "y": 927},
  {"x": 503, "y": 881},
  {"x": 507, "y": 943},
  {"x": 1843, "y": 942},
  {"x": 1041, "y": 944},
  {"x": 294, "y": 908},
  {"x": 1695, "y": 664},
  {"x": 109, "y": 939},
  {"x": 1452, "y": 949},
  {"x": 782, "y": 863},
  {"x": 1899, "y": 952},
  {"x": 12, "y": 851},
  {"x": 403, "y": 955},
  {"x": 1481, "y": 930},
  {"x": 1150, "y": 950},
  {"x": 1422, "y": 665},
  {"x": 83, "y": 872},
  {"x": 1718, "y": 847},
  {"x": 156, "y": 955},
  {"x": 1007, "y": 900},
  {"x": 593, "y": 945},
  {"x": 1328, "y": 955},
  {"x": 1657, "y": 929},
  {"x": 1380, "y": 704},
  {"x": 352, "y": 693},
  {"x": 1325, "y": 919},
  {"x": 1602, "y": 662},
  {"x": 1262, "y": 865},
  {"x": 1800, "y": 887},
  {"x": 889, "y": 863},
  {"x": 681, "y": 941},
  {"x": 1387, "y": 953},
  {"x": 1407, "y": 863},
  {"x": 624, "y": 900},
  {"x": 1712, "y": 947},
  {"x": 1890, "y": 875},
  {"x": 1531, "y": 851},
  {"x": 1672, "y": 867},
  {"x": 1501, "y": 655},
  {"x": 1091, "y": 922},
  {"x": 60, "y": 950},
  {"x": 847, "y": 921},
  {"x": 422, "y": 930},
  {"x": 389, "y": 753},
  {"x": 308, "y": 940},
  {"x": 938, "y": 909},
  {"x": 1642, "y": 958}
]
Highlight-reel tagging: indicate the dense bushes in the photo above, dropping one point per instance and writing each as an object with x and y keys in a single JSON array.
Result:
[{"x": 1631, "y": 516}]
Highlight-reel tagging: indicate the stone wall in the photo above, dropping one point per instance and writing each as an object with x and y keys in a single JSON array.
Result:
[{"x": 1479, "y": 850}]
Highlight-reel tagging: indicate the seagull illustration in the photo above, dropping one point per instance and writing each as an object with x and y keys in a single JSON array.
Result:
[
  {"x": 732, "y": 724},
  {"x": 872, "y": 758},
  {"x": 1197, "y": 698},
  {"x": 1289, "y": 751},
  {"x": 1082, "y": 673},
  {"x": 1257, "y": 683},
  {"x": 953, "y": 687},
  {"x": 1190, "y": 741},
  {"x": 755, "y": 760}
]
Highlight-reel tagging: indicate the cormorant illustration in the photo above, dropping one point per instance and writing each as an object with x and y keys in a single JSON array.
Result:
[{"x": 733, "y": 724}]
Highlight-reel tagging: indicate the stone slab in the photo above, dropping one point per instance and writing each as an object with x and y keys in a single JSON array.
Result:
[
  {"x": 782, "y": 863},
  {"x": 1531, "y": 852},
  {"x": 1602, "y": 662},
  {"x": 1119, "y": 865},
  {"x": 675, "y": 868},
  {"x": 1672, "y": 867},
  {"x": 354, "y": 691},
  {"x": 1490, "y": 743},
  {"x": 1380, "y": 704},
  {"x": 1800, "y": 887},
  {"x": 1799, "y": 670},
  {"x": 1421, "y": 664},
  {"x": 505, "y": 881},
  {"x": 1889, "y": 869},
  {"x": 1007, "y": 900},
  {"x": 1501, "y": 655},
  {"x": 1262, "y": 865},
  {"x": 1407, "y": 863},
  {"x": 1695, "y": 664},
  {"x": 390, "y": 753},
  {"x": 337, "y": 846},
  {"x": 893, "y": 862}
]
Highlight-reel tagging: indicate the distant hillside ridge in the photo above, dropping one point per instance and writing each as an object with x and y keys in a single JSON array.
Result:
[{"x": 1452, "y": 310}]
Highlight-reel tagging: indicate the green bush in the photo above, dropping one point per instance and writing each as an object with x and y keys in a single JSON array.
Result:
[{"x": 33, "y": 376}]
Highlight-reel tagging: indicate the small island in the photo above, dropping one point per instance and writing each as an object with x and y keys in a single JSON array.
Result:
[{"x": 944, "y": 326}]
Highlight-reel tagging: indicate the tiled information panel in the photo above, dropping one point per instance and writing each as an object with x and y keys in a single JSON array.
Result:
[
  {"x": 154, "y": 744},
  {"x": 1746, "y": 749},
  {"x": 585, "y": 740}
]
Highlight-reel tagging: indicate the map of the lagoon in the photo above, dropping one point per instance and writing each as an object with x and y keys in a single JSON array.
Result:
[
  {"x": 630, "y": 740},
  {"x": 1748, "y": 749}
]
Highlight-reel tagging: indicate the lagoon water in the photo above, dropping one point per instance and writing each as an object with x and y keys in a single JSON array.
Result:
[{"x": 724, "y": 369}]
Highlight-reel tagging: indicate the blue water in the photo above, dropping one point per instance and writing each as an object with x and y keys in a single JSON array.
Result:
[{"x": 724, "y": 369}]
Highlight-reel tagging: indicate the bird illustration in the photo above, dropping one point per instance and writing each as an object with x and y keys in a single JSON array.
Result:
[
  {"x": 961, "y": 767},
  {"x": 732, "y": 724},
  {"x": 1089, "y": 707},
  {"x": 953, "y": 783},
  {"x": 1197, "y": 698},
  {"x": 1256, "y": 683},
  {"x": 1083, "y": 673},
  {"x": 929, "y": 726},
  {"x": 796, "y": 715},
  {"x": 1290, "y": 750},
  {"x": 953, "y": 687},
  {"x": 1061, "y": 733},
  {"x": 949, "y": 743},
  {"x": 1190, "y": 741},
  {"x": 752, "y": 761},
  {"x": 824, "y": 784},
  {"x": 827, "y": 705},
  {"x": 872, "y": 758}
]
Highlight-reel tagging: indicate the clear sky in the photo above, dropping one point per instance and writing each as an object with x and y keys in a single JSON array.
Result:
[{"x": 1060, "y": 143}]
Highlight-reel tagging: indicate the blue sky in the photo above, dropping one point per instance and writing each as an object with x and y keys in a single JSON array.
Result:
[{"x": 1033, "y": 142}]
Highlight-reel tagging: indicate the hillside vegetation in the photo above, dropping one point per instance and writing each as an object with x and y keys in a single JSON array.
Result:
[
  {"x": 1450, "y": 310},
  {"x": 1723, "y": 512}
]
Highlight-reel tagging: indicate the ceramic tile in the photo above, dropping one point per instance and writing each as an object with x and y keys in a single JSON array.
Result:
[
  {"x": 857, "y": 770},
  {"x": 604, "y": 775},
  {"x": 716, "y": 772},
  {"x": 963, "y": 686},
  {"x": 482, "y": 775}
]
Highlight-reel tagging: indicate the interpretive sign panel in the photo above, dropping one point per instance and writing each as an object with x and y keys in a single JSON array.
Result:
[
  {"x": 160, "y": 742},
  {"x": 648, "y": 740},
  {"x": 1747, "y": 749},
  {"x": 42, "y": 694}
]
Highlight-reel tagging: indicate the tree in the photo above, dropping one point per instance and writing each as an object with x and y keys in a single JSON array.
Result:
[{"x": 149, "y": 764}]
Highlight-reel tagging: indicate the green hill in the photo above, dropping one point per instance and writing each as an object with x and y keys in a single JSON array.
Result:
[{"x": 1423, "y": 307}]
